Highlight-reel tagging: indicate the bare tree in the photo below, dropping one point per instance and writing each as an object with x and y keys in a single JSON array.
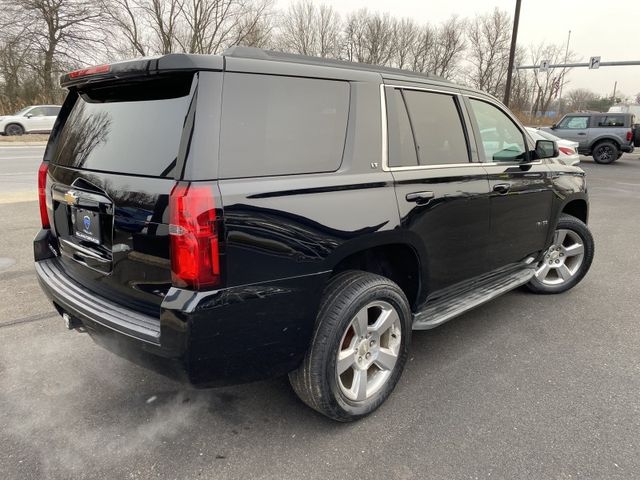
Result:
[
  {"x": 438, "y": 49},
  {"x": 489, "y": 41},
  {"x": 369, "y": 38},
  {"x": 60, "y": 33},
  {"x": 298, "y": 28},
  {"x": 310, "y": 30},
  {"x": 163, "y": 17},
  {"x": 355, "y": 36},
  {"x": 329, "y": 31},
  {"x": 129, "y": 37},
  {"x": 548, "y": 83},
  {"x": 579, "y": 98},
  {"x": 522, "y": 85},
  {"x": 423, "y": 49},
  {"x": 450, "y": 45},
  {"x": 14, "y": 75},
  {"x": 406, "y": 36}
]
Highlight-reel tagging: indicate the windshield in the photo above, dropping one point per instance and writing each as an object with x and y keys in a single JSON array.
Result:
[
  {"x": 536, "y": 134},
  {"x": 131, "y": 129},
  {"x": 22, "y": 112},
  {"x": 547, "y": 135}
]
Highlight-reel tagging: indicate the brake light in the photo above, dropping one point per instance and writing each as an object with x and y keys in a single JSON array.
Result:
[
  {"x": 83, "y": 72},
  {"x": 629, "y": 135},
  {"x": 195, "y": 249},
  {"x": 42, "y": 194},
  {"x": 566, "y": 150}
]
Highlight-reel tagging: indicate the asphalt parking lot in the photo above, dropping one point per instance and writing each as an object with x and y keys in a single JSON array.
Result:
[{"x": 526, "y": 386}]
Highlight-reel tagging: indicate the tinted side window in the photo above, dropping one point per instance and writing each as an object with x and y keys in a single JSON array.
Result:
[
  {"x": 611, "y": 121},
  {"x": 52, "y": 111},
  {"x": 402, "y": 149},
  {"x": 37, "y": 112},
  {"x": 574, "y": 122},
  {"x": 502, "y": 140},
  {"x": 274, "y": 125},
  {"x": 437, "y": 128}
]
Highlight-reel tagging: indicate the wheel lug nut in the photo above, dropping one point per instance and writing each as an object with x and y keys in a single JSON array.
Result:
[
  {"x": 359, "y": 359},
  {"x": 368, "y": 355},
  {"x": 372, "y": 343},
  {"x": 557, "y": 261}
]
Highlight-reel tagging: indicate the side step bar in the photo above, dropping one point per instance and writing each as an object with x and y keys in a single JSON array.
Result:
[{"x": 445, "y": 308}]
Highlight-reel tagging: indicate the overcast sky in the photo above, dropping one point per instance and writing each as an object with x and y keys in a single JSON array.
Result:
[{"x": 610, "y": 29}]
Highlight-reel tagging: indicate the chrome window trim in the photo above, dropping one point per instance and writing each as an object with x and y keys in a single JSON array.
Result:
[{"x": 385, "y": 133}]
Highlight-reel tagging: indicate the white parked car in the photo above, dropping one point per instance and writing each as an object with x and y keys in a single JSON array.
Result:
[
  {"x": 33, "y": 119},
  {"x": 568, "y": 149}
]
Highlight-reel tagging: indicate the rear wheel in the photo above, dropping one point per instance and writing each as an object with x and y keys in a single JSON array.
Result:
[
  {"x": 567, "y": 260},
  {"x": 359, "y": 347},
  {"x": 605, "y": 152},
  {"x": 13, "y": 129}
]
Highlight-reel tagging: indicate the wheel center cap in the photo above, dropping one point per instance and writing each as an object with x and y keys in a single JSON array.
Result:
[{"x": 555, "y": 255}]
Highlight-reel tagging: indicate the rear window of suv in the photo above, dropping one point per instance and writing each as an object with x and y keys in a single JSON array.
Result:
[
  {"x": 611, "y": 121},
  {"x": 132, "y": 129},
  {"x": 276, "y": 125}
]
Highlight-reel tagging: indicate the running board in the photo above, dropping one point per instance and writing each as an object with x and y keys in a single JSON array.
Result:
[{"x": 445, "y": 308}]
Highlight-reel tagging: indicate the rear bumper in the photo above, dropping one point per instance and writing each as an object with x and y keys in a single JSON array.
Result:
[
  {"x": 221, "y": 337},
  {"x": 627, "y": 148}
]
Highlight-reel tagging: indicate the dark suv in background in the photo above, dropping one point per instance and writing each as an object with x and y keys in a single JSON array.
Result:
[
  {"x": 229, "y": 218},
  {"x": 606, "y": 136}
]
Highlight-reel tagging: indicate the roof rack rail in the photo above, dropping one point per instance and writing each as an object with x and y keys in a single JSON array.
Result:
[{"x": 238, "y": 51}]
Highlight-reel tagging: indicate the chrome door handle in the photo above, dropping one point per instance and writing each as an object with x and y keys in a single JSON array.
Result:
[
  {"x": 501, "y": 188},
  {"x": 420, "y": 197}
]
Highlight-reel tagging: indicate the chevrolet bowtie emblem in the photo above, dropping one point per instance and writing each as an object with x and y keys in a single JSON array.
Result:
[{"x": 70, "y": 197}]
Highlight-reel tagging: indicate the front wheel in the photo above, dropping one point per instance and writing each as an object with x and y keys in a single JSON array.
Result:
[
  {"x": 13, "y": 129},
  {"x": 359, "y": 347},
  {"x": 567, "y": 260}
]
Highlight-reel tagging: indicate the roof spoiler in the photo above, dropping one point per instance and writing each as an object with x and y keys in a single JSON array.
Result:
[{"x": 141, "y": 67}]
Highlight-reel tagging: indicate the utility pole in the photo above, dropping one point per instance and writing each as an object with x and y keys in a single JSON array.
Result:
[
  {"x": 566, "y": 56},
  {"x": 512, "y": 53},
  {"x": 615, "y": 87}
]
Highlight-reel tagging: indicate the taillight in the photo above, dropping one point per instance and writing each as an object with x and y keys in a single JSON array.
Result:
[
  {"x": 195, "y": 249},
  {"x": 566, "y": 150},
  {"x": 83, "y": 72},
  {"x": 629, "y": 135},
  {"x": 42, "y": 194}
]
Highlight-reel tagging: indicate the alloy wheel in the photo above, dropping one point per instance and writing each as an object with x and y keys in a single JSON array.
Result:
[
  {"x": 368, "y": 351},
  {"x": 562, "y": 261}
]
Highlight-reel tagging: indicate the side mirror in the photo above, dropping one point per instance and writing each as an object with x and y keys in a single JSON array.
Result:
[
  {"x": 546, "y": 149},
  {"x": 554, "y": 126},
  {"x": 29, "y": 115}
]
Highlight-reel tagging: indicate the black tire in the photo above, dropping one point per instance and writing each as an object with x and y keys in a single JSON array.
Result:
[
  {"x": 636, "y": 136},
  {"x": 619, "y": 155},
  {"x": 13, "y": 129},
  {"x": 605, "y": 152},
  {"x": 567, "y": 222},
  {"x": 316, "y": 381}
]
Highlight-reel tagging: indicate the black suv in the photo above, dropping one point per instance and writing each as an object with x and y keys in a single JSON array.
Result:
[{"x": 230, "y": 218}]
